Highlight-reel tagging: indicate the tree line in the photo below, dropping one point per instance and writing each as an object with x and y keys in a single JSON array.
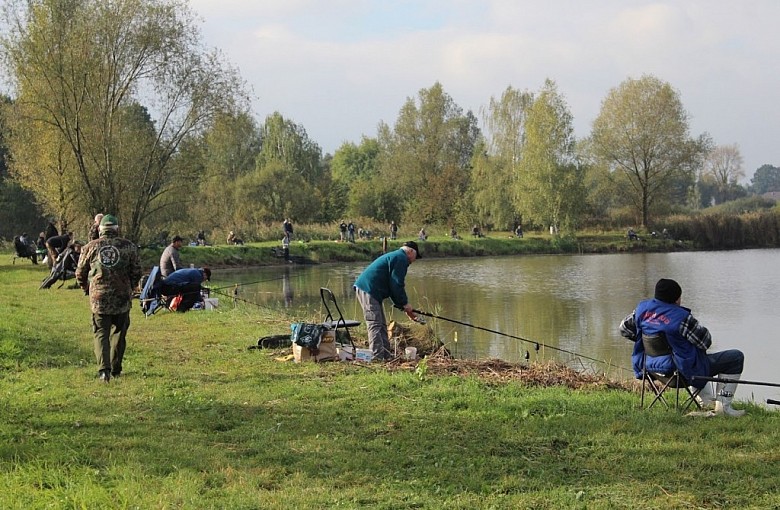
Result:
[{"x": 117, "y": 107}]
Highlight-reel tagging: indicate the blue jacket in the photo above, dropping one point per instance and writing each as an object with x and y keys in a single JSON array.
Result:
[
  {"x": 183, "y": 277},
  {"x": 384, "y": 278},
  {"x": 652, "y": 316}
]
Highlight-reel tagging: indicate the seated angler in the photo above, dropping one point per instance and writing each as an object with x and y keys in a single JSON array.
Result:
[
  {"x": 689, "y": 341},
  {"x": 170, "y": 260}
]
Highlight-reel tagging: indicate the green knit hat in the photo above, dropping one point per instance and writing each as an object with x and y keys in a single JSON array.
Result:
[{"x": 109, "y": 222}]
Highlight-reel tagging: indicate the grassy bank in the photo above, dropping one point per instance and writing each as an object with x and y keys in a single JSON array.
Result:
[
  {"x": 200, "y": 421},
  {"x": 496, "y": 244}
]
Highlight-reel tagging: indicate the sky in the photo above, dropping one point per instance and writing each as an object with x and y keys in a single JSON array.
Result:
[{"x": 340, "y": 67}]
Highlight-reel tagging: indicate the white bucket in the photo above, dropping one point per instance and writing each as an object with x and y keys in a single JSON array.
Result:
[{"x": 410, "y": 353}]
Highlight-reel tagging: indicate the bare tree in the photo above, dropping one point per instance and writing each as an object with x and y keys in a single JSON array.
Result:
[{"x": 724, "y": 164}]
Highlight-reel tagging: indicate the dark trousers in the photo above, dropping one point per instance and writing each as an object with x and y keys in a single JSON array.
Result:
[
  {"x": 190, "y": 294},
  {"x": 729, "y": 362},
  {"x": 110, "y": 339}
]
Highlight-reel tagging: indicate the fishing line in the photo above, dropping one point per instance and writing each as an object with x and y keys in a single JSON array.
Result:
[
  {"x": 250, "y": 283},
  {"x": 534, "y": 342},
  {"x": 235, "y": 298}
]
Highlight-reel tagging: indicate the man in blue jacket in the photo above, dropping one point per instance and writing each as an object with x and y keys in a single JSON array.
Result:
[
  {"x": 186, "y": 282},
  {"x": 382, "y": 279},
  {"x": 689, "y": 341}
]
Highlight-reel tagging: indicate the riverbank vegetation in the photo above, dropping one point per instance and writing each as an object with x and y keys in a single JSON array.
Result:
[
  {"x": 199, "y": 421},
  {"x": 320, "y": 243},
  {"x": 181, "y": 152}
]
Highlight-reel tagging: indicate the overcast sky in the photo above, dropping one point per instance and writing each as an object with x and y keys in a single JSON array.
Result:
[{"x": 339, "y": 67}]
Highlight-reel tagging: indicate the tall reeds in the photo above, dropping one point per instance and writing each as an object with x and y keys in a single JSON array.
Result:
[{"x": 758, "y": 229}]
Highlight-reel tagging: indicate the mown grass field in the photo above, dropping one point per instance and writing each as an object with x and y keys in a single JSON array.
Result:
[{"x": 199, "y": 421}]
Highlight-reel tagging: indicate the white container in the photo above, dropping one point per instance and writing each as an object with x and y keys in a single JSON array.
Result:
[
  {"x": 410, "y": 353},
  {"x": 364, "y": 355},
  {"x": 211, "y": 303}
]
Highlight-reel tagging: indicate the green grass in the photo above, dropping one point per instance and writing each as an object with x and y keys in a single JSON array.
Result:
[{"x": 199, "y": 421}]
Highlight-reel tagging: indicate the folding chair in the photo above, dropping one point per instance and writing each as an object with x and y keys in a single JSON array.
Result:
[
  {"x": 24, "y": 251},
  {"x": 333, "y": 322},
  {"x": 151, "y": 298},
  {"x": 657, "y": 345}
]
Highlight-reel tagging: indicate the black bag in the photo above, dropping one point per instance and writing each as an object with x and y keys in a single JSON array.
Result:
[
  {"x": 307, "y": 335},
  {"x": 272, "y": 342}
]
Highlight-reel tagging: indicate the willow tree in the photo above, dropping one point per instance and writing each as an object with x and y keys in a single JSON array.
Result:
[
  {"x": 642, "y": 130},
  {"x": 118, "y": 85},
  {"x": 551, "y": 182},
  {"x": 494, "y": 183}
]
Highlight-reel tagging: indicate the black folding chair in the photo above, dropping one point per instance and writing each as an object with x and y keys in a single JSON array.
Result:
[
  {"x": 658, "y": 345},
  {"x": 24, "y": 251},
  {"x": 334, "y": 322}
]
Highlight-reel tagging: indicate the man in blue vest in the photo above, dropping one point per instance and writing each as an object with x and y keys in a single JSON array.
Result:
[
  {"x": 384, "y": 278},
  {"x": 187, "y": 283},
  {"x": 689, "y": 341}
]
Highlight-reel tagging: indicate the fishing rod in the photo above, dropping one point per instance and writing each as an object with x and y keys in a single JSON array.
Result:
[
  {"x": 250, "y": 283},
  {"x": 234, "y": 297},
  {"x": 736, "y": 381},
  {"x": 536, "y": 344}
]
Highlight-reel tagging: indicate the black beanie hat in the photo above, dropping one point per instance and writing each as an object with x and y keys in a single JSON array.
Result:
[{"x": 668, "y": 291}]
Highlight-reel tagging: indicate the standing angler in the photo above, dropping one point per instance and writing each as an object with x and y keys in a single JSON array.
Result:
[
  {"x": 108, "y": 271},
  {"x": 385, "y": 278}
]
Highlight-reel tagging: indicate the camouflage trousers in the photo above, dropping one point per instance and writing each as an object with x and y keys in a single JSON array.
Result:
[{"x": 110, "y": 340}]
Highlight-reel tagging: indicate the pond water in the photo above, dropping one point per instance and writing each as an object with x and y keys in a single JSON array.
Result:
[{"x": 570, "y": 305}]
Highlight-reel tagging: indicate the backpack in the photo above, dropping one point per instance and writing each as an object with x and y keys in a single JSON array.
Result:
[{"x": 307, "y": 335}]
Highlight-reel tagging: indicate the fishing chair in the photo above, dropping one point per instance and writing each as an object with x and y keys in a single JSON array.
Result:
[
  {"x": 24, "y": 251},
  {"x": 658, "y": 345},
  {"x": 151, "y": 298},
  {"x": 333, "y": 322}
]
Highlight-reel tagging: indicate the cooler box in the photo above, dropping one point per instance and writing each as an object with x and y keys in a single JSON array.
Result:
[{"x": 347, "y": 353}]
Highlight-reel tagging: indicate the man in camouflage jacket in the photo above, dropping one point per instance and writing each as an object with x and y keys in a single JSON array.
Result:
[{"x": 108, "y": 271}]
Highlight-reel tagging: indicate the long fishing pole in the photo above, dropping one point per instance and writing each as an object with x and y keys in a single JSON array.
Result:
[
  {"x": 537, "y": 344},
  {"x": 250, "y": 283},
  {"x": 235, "y": 298},
  {"x": 736, "y": 381}
]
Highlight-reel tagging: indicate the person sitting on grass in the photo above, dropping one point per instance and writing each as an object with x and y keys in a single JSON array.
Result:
[{"x": 233, "y": 240}]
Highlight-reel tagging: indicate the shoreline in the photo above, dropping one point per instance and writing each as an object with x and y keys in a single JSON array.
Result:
[{"x": 320, "y": 252}]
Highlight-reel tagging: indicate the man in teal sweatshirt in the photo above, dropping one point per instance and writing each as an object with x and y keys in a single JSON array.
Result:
[{"x": 382, "y": 279}]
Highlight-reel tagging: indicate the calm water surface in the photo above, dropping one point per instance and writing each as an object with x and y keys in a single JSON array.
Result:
[{"x": 573, "y": 303}]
